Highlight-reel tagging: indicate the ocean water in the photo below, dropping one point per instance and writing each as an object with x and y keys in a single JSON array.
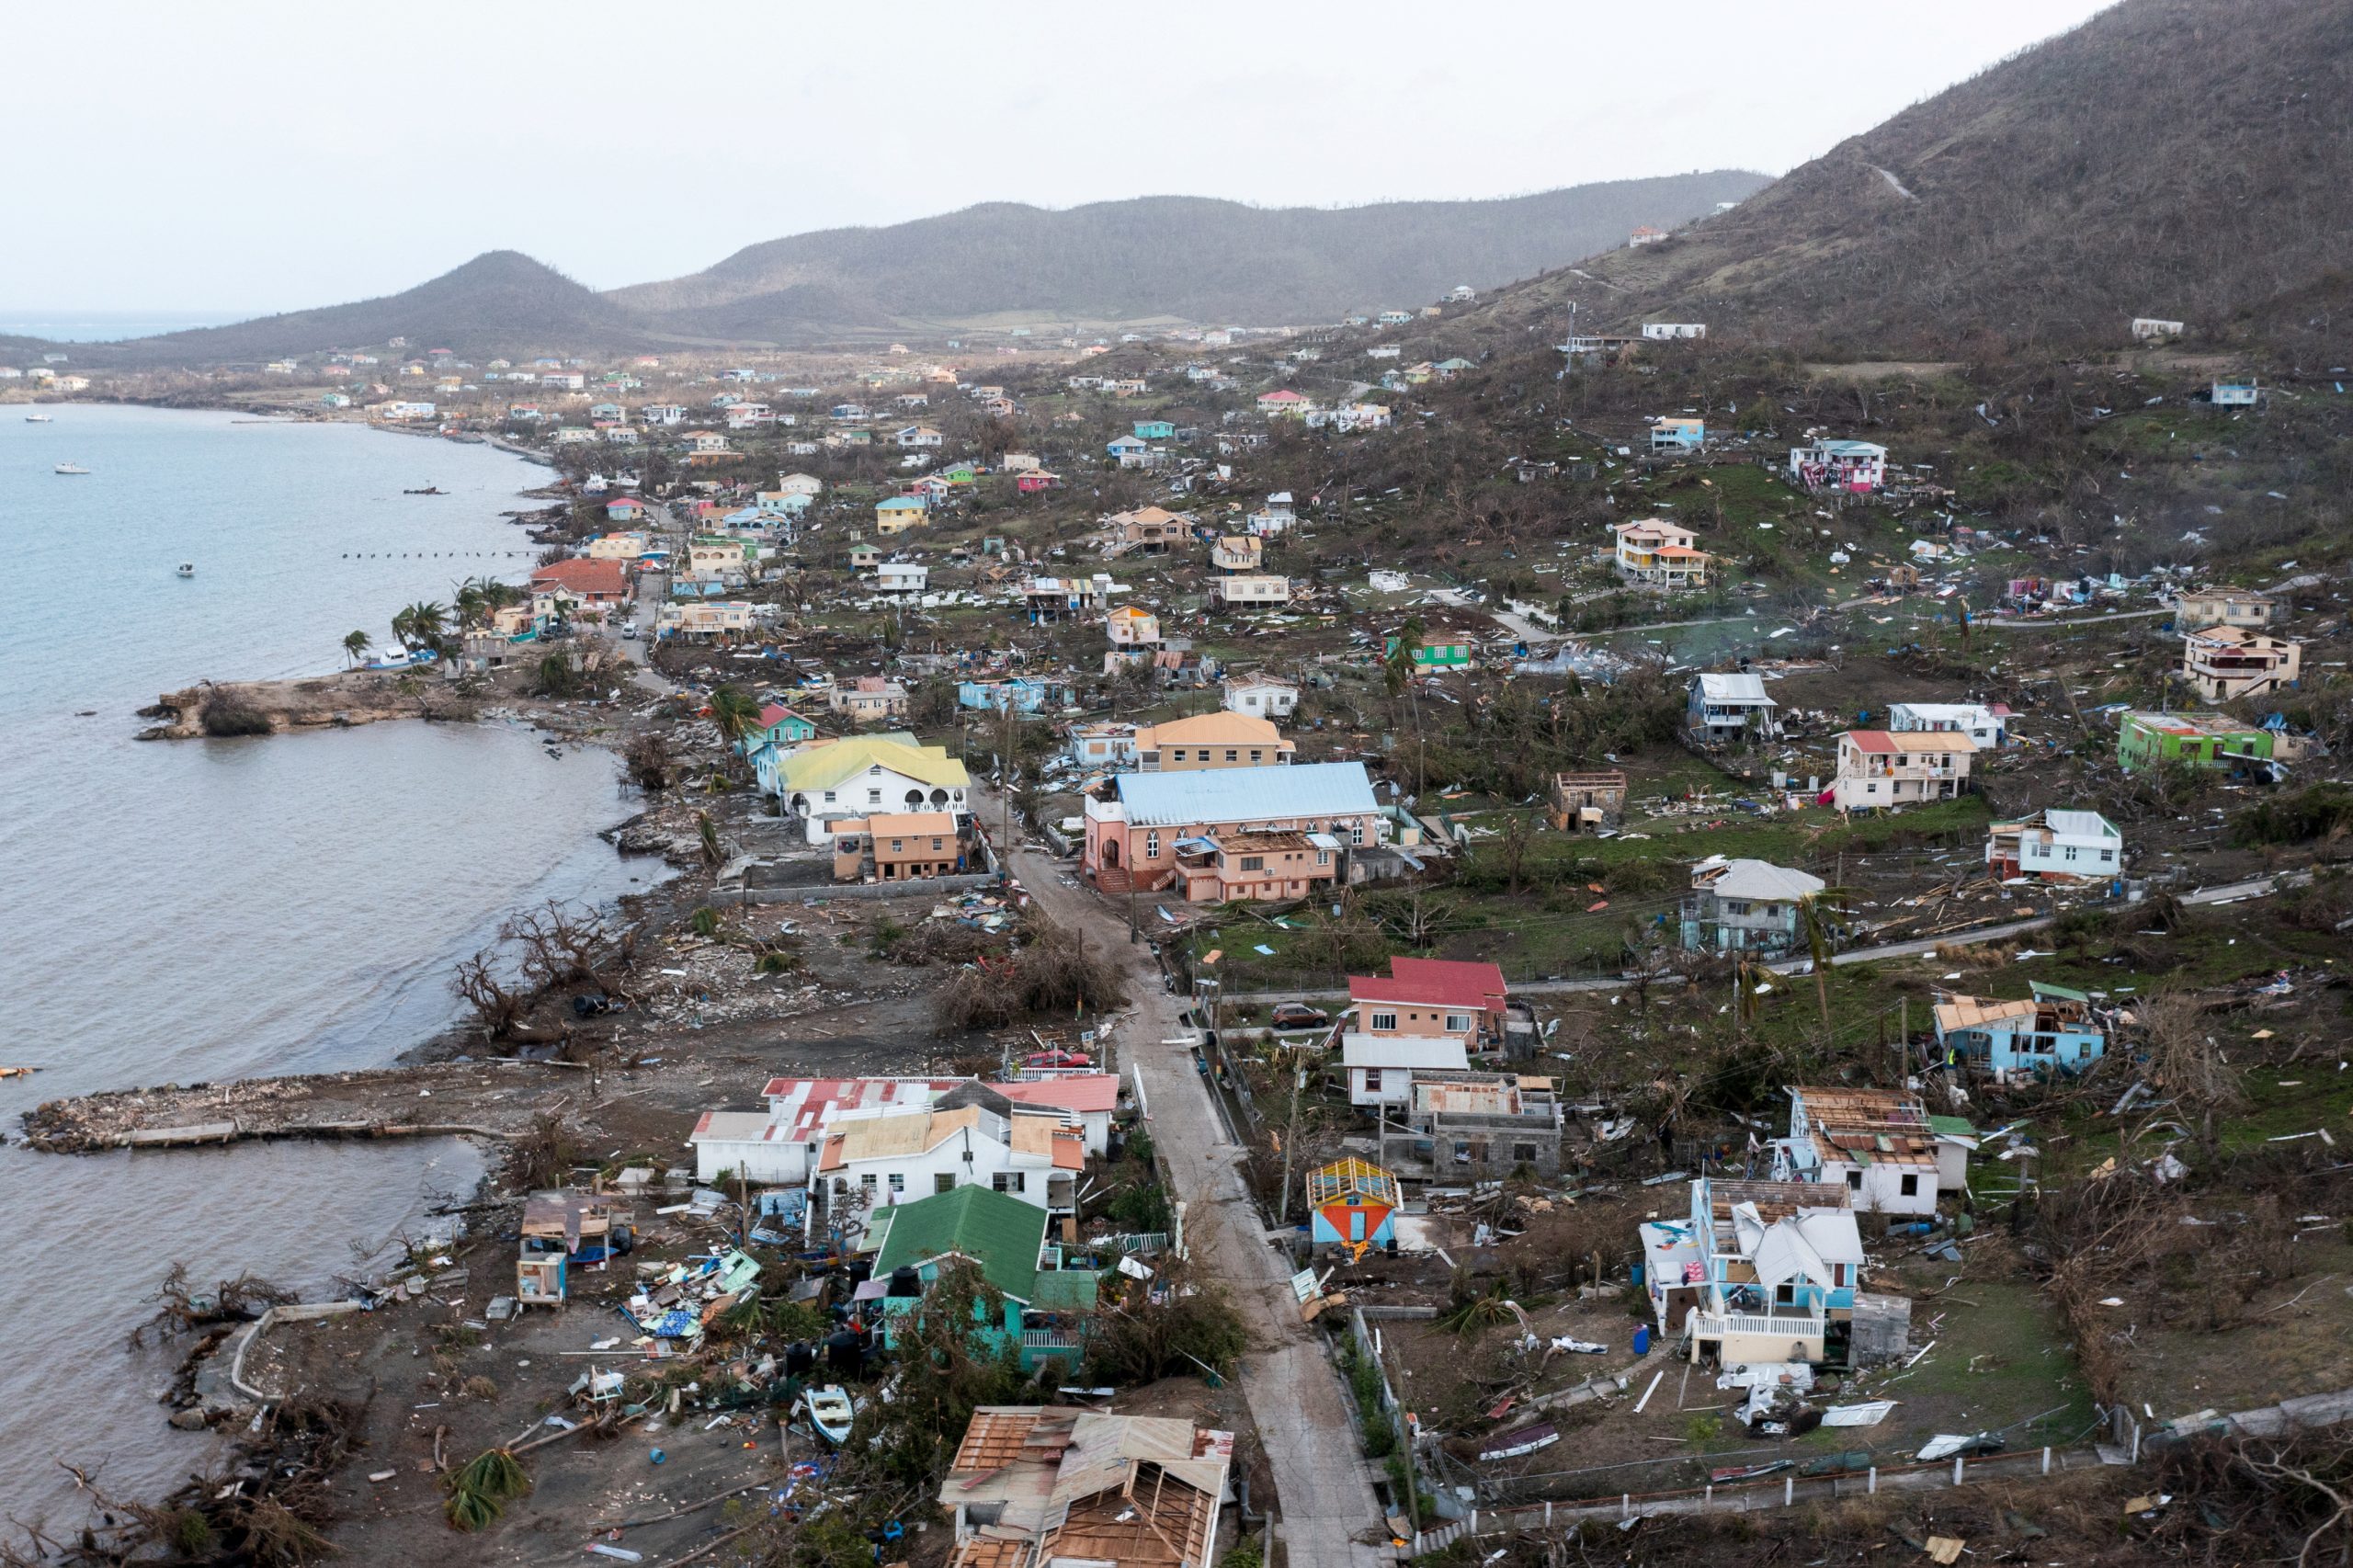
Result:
[
  {"x": 184, "y": 911},
  {"x": 108, "y": 326}
]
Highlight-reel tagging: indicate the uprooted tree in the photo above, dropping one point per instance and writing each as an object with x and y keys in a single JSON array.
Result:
[{"x": 541, "y": 953}]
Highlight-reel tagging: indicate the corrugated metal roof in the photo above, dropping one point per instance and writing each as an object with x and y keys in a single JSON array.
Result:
[
  {"x": 1246, "y": 794},
  {"x": 1403, "y": 1050},
  {"x": 1733, "y": 689}
]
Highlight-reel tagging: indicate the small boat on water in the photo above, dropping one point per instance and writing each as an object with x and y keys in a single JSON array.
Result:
[
  {"x": 71, "y": 468},
  {"x": 830, "y": 1413},
  {"x": 39, "y": 419},
  {"x": 428, "y": 490},
  {"x": 187, "y": 568}
]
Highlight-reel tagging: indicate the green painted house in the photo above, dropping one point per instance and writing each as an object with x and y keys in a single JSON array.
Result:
[
  {"x": 1046, "y": 1306},
  {"x": 1153, "y": 430},
  {"x": 2198, "y": 740},
  {"x": 1437, "y": 655},
  {"x": 781, "y": 726},
  {"x": 960, "y": 473}
]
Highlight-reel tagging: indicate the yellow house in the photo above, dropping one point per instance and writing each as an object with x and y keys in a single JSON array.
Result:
[
  {"x": 1211, "y": 740},
  {"x": 1659, "y": 554},
  {"x": 899, "y": 514}
]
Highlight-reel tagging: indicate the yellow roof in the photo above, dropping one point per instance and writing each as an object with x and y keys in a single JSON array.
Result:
[
  {"x": 827, "y": 767},
  {"x": 907, "y": 1132},
  {"x": 1209, "y": 730}
]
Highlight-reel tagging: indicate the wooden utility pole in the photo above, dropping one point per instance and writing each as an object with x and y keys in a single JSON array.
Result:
[{"x": 1906, "y": 1003}]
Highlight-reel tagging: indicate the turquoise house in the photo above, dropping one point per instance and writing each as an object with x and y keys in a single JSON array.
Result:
[
  {"x": 1439, "y": 655},
  {"x": 2050, "y": 1031},
  {"x": 781, "y": 726},
  {"x": 1046, "y": 1309},
  {"x": 1154, "y": 430}
]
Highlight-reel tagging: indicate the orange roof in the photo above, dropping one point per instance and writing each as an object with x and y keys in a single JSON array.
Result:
[{"x": 1216, "y": 729}]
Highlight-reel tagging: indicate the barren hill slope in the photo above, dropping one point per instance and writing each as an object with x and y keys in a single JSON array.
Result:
[{"x": 2184, "y": 159}]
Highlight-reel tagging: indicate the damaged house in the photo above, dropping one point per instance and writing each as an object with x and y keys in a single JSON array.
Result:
[
  {"x": 2052, "y": 1030},
  {"x": 1882, "y": 1145},
  {"x": 1760, "y": 1271},
  {"x": 1033, "y": 1486}
]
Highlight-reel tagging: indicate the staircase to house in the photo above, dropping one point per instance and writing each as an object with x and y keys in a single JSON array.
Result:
[{"x": 1113, "y": 880}]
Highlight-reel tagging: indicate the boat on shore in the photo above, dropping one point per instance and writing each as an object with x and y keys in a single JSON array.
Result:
[
  {"x": 401, "y": 659},
  {"x": 830, "y": 1413},
  {"x": 70, "y": 468}
]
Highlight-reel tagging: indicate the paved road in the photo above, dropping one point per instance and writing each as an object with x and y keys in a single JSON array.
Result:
[
  {"x": 1991, "y": 624},
  {"x": 1322, "y": 1484},
  {"x": 653, "y": 589}
]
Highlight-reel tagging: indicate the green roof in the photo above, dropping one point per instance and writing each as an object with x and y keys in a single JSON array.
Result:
[
  {"x": 1001, "y": 1233},
  {"x": 1068, "y": 1290},
  {"x": 1951, "y": 1125},
  {"x": 2044, "y": 988}
]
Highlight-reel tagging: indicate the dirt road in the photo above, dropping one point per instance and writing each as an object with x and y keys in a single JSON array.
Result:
[{"x": 1324, "y": 1485}]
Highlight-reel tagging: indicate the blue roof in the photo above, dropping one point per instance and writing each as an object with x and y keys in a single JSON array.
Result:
[{"x": 1245, "y": 794}]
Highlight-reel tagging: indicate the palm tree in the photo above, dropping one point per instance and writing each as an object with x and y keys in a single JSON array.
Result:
[
  {"x": 428, "y": 625},
  {"x": 471, "y": 604},
  {"x": 1816, "y": 918},
  {"x": 356, "y": 646},
  {"x": 736, "y": 713}
]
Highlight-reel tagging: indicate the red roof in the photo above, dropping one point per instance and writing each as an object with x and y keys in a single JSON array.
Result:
[
  {"x": 1433, "y": 982},
  {"x": 1284, "y": 396},
  {"x": 1079, "y": 1091},
  {"x": 624, "y": 501},
  {"x": 776, "y": 713},
  {"x": 1872, "y": 740},
  {"x": 594, "y": 578},
  {"x": 812, "y": 1102}
]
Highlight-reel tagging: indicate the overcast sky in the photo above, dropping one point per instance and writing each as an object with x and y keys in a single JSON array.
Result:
[{"x": 242, "y": 156}]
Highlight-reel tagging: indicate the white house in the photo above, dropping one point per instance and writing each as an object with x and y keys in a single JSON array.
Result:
[
  {"x": 1262, "y": 696},
  {"x": 1084, "y": 1100},
  {"x": 1278, "y": 515},
  {"x": 1380, "y": 1067},
  {"x": 2056, "y": 845},
  {"x": 1660, "y": 331},
  {"x": 877, "y": 1161},
  {"x": 1731, "y": 708},
  {"x": 799, "y": 484},
  {"x": 901, "y": 577},
  {"x": 1987, "y": 725},
  {"x": 1879, "y": 1144},
  {"x": 776, "y": 1147},
  {"x": 1252, "y": 591}
]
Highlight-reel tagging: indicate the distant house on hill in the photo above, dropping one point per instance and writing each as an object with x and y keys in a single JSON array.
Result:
[{"x": 1645, "y": 236}]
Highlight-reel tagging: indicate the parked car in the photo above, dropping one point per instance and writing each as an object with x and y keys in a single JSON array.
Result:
[
  {"x": 1058, "y": 1059},
  {"x": 1300, "y": 1015}
]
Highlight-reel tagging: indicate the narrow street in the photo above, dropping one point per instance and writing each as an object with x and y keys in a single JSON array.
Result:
[{"x": 1324, "y": 1485}]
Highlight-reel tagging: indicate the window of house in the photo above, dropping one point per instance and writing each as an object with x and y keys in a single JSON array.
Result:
[
  {"x": 898, "y": 1181},
  {"x": 1323, "y": 857},
  {"x": 1911, "y": 1187},
  {"x": 1356, "y": 832},
  {"x": 896, "y": 846},
  {"x": 1230, "y": 753},
  {"x": 829, "y": 797},
  {"x": 1523, "y": 1153},
  {"x": 1383, "y": 1021},
  {"x": 1457, "y": 1023},
  {"x": 2071, "y": 852},
  {"x": 1372, "y": 1080},
  {"x": 874, "y": 796},
  {"x": 1255, "y": 756},
  {"x": 1461, "y": 1152},
  {"x": 866, "y": 1181},
  {"x": 2106, "y": 856},
  {"x": 1854, "y": 1181},
  {"x": 1254, "y": 862},
  {"x": 1785, "y": 1295}
]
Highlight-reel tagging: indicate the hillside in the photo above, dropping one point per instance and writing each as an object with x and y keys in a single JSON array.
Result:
[
  {"x": 501, "y": 302},
  {"x": 1157, "y": 257},
  {"x": 2185, "y": 159}
]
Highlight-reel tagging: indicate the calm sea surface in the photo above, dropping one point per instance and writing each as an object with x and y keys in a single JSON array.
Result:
[{"x": 176, "y": 912}]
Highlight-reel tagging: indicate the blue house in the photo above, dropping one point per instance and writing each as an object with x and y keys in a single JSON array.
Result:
[
  {"x": 1759, "y": 1271},
  {"x": 1046, "y": 1307},
  {"x": 1126, "y": 447},
  {"x": 2050, "y": 1031},
  {"x": 1153, "y": 430},
  {"x": 1023, "y": 694},
  {"x": 780, "y": 726}
]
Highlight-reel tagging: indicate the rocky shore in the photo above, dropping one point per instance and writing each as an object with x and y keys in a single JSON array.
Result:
[{"x": 225, "y": 709}]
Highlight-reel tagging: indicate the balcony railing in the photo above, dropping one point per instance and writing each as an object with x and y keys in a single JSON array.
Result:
[
  {"x": 1047, "y": 1339},
  {"x": 1795, "y": 1325}
]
